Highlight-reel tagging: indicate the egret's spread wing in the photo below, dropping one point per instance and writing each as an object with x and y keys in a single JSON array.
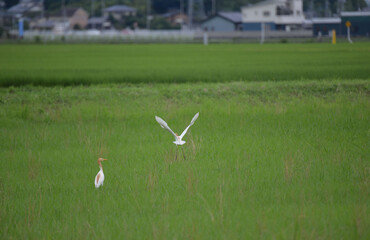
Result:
[
  {"x": 191, "y": 123},
  {"x": 164, "y": 125}
]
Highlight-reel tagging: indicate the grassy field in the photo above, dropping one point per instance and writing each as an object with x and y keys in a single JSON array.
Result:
[
  {"x": 87, "y": 64},
  {"x": 265, "y": 160}
]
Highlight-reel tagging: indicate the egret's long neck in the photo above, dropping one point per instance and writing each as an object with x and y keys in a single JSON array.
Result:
[{"x": 101, "y": 166}]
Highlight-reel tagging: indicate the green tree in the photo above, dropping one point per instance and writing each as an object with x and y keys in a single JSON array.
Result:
[
  {"x": 162, "y": 23},
  {"x": 9, "y": 3}
]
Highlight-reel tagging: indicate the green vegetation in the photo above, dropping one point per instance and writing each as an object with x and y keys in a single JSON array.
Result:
[
  {"x": 267, "y": 159},
  {"x": 49, "y": 65}
]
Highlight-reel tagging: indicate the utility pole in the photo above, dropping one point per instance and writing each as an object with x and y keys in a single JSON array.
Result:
[
  {"x": 213, "y": 7},
  {"x": 102, "y": 6},
  {"x": 326, "y": 8},
  {"x": 340, "y": 6},
  {"x": 43, "y": 9},
  {"x": 64, "y": 15},
  {"x": 92, "y": 13},
  {"x": 312, "y": 9},
  {"x": 148, "y": 17},
  {"x": 190, "y": 14},
  {"x": 262, "y": 33},
  {"x": 200, "y": 9},
  {"x": 182, "y": 13}
]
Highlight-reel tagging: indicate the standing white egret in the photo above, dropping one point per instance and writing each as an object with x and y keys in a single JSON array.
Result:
[
  {"x": 99, "y": 179},
  {"x": 178, "y": 139}
]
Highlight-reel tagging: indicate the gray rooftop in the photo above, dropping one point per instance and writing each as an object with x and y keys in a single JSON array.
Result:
[
  {"x": 266, "y": 2},
  {"x": 353, "y": 14},
  {"x": 119, "y": 8},
  {"x": 326, "y": 20},
  {"x": 23, "y": 6},
  {"x": 235, "y": 17},
  {"x": 97, "y": 20},
  {"x": 46, "y": 24},
  {"x": 18, "y": 9}
]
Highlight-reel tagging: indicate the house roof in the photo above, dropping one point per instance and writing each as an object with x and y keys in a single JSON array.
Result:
[
  {"x": 266, "y": 2},
  {"x": 326, "y": 20},
  {"x": 46, "y": 24},
  {"x": 355, "y": 14},
  {"x": 235, "y": 17},
  {"x": 119, "y": 8},
  {"x": 171, "y": 13},
  {"x": 97, "y": 20},
  {"x": 69, "y": 12},
  {"x": 23, "y": 6},
  {"x": 17, "y": 9},
  {"x": 25, "y": 1}
]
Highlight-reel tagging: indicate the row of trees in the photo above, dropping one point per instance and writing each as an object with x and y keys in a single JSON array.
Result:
[
  {"x": 139, "y": 21},
  {"x": 159, "y": 7},
  {"x": 162, "y": 6}
]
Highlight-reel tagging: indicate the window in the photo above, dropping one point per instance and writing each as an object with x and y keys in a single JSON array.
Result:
[
  {"x": 298, "y": 12},
  {"x": 266, "y": 14}
]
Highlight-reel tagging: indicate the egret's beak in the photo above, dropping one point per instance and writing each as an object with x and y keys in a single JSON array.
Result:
[{"x": 105, "y": 159}]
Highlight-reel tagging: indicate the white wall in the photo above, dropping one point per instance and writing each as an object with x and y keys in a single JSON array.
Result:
[
  {"x": 256, "y": 13},
  {"x": 267, "y": 12}
]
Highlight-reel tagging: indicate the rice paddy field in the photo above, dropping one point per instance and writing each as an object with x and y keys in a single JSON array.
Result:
[{"x": 280, "y": 149}]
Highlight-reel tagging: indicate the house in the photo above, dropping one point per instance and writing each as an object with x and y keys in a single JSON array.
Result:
[
  {"x": 275, "y": 14},
  {"x": 76, "y": 18},
  {"x": 176, "y": 17},
  {"x": 71, "y": 18},
  {"x": 360, "y": 23},
  {"x": 99, "y": 23},
  {"x": 119, "y": 12},
  {"x": 324, "y": 26},
  {"x": 27, "y": 8},
  {"x": 223, "y": 22}
]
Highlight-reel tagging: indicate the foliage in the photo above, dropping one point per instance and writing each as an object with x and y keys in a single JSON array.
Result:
[
  {"x": 127, "y": 22},
  {"x": 163, "y": 6},
  {"x": 162, "y": 23},
  {"x": 37, "y": 39},
  {"x": 76, "y": 27},
  {"x": 10, "y": 3}
]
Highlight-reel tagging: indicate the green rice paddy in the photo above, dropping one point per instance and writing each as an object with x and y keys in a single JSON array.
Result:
[
  {"x": 50, "y": 65},
  {"x": 280, "y": 149}
]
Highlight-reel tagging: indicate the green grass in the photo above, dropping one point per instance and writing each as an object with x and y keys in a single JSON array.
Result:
[
  {"x": 268, "y": 160},
  {"x": 50, "y": 65}
]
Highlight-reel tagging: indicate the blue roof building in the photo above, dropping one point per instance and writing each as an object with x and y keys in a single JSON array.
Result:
[{"x": 223, "y": 22}]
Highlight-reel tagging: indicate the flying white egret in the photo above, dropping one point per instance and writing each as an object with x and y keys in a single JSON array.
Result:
[
  {"x": 178, "y": 139},
  {"x": 99, "y": 179}
]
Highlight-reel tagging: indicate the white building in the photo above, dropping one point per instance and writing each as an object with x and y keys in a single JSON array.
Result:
[{"x": 275, "y": 14}]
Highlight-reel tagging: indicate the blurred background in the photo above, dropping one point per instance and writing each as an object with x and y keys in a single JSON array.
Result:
[{"x": 181, "y": 20}]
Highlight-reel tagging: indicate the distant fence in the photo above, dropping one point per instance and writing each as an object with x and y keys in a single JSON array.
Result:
[
  {"x": 176, "y": 36},
  {"x": 111, "y": 36},
  {"x": 256, "y": 34}
]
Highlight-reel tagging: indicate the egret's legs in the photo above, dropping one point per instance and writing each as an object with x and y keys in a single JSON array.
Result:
[
  {"x": 183, "y": 153},
  {"x": 176, "y": 153}
]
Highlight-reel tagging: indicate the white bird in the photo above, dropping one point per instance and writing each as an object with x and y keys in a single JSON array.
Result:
[
  {"x": 178, "y": 139},
  {"x": 99, "y": 179}
]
